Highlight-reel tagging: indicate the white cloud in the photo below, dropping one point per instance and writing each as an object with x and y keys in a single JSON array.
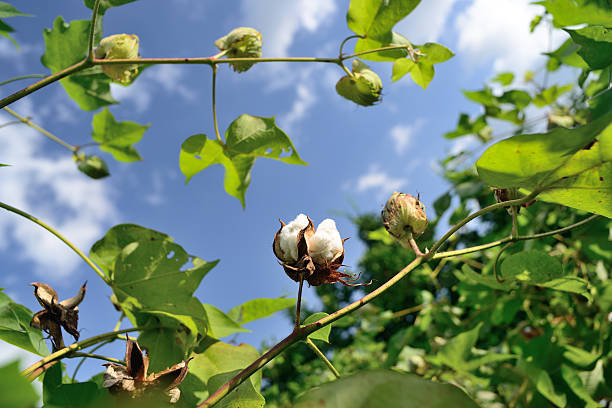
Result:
[
  {"x": 280, "y": 21},
  {"x": 304, "y": 101},
  {"x": 52, "y": 189},
  {"x": 427, "y": 22},
  {"x": 498, "y": 31},
  {"x": 379, "y": 180},
  {"x": 169, "y": 78},
  {"x": 402, "y": 134}
]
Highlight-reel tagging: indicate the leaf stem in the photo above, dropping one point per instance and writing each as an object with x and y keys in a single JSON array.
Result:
[
  {"x": 509, "y": 239},
  {"x": 514, "y": 232},
  {"x": 214, "y": 103},
  {"x": 50, "y": 135},
  {"x": 44, "y": 82},
  {"x": 96, "y": 356},
  {"x": 298, "y": 304},
  {"x": 40, "y": 366},
  {"x": 350, "y": 37},
  {"x": 80, "y": 363},
  {"x": 322, "y": 356},
  {"x": 495, "y": 270},
  {"x": 92, "y": 31},
  {"x": 60, "y": 236},
  {"x": 8, "y": 81}
]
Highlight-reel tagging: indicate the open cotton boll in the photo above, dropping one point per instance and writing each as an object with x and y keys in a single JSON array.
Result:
[
  {"x": 326, "y": 244},
  {"x": 288, "y": 237}
]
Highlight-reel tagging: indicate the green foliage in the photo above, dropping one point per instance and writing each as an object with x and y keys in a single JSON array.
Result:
[
  {"x": 65, "y": 45},
  {"x": 596, "y": 45},
  {"x": 106, "y": 4},
  {"x": 15, "y": 390},
  {"x": 247, "y": 138},
  {"x": 376, "y": 18},
  {"x": 7, "y": 10},
  {"x": 221, "y": 325},
  {"x": 214, "y": 362},
  {"x": 115, "y": 137},
  {"x": 153, "y": 284},
  {"x": 15, "y": 327},
  {"x": 82, "y": 395},
  {"x": 384, "y": 389},
  {"x": 321, "y": 334},
  {"x": 422, "y": 70},
  {"x": 564, "y": 163},
  {"x": 258, "y": 309},
  {"x": 573, "y": 12}
]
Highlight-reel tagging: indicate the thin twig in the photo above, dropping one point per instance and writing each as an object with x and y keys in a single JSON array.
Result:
[
  {"x": 92, "y": 31},
  {"x": 60, "y": 236},
  {"x": 96, "y": 356},
  {"x": 8, "y": 81},
  {"x": 322, "y": 356},
  {"x": 50, "y": 135},
  {"x": 214, "y": 103},
  {"x": 298, "y": 305}
]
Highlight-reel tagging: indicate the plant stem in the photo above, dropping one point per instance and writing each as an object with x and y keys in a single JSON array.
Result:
[
  {"x": 509, "y": 239},
  {"x": 41, "y": 130},
  {"x": 96, "y": 356},
  {"x": 514, "y": 232},
  {"x": 415, "y": 247},
  {"x": 8, "y": 81},
  {"x": 302, "y": 333},
  {"x": 78, "y": 367},
  {"x": 350, "y": 37},
  {"x": 60, "y": 236},
  {"x": 298, "y": 305},
  {"x": 322, "y": 356},
  {"x": 214, "y": 103},
  {"x": 39, "y": 367},
  {"x": 44, "y": 82},
  {"x": 501, "y": 251},
  {"x": 92, "y": 32}
]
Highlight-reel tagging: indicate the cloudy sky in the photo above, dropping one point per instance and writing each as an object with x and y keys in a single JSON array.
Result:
[{"x": 357, "y": 156}]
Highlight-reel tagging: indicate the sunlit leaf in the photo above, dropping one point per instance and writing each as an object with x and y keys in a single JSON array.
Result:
[
  {"x": 259, "y": 308},
  {"x": 213, "y": 364},
  {"x": 567, "y": 54},
  {"x": 573, "y": 381},
  {"x": 542, "y": 382},
  {"x": 321, "y": 334},
  {"x": 596, "y": 45},
  {"x": 504, "y": 78},
  {"x": 115, "y": 137},
  {"x": 550, "y": 95},
  {"x": 65, "y": 45},
  {"x": 384, "y": 389},
  {"x": 585, "y": 360},
  {"x": 221, "y": 325},
  {"x": 390, "y": 40},
  {"x": 574, "y": 166},
  {"x": 8, "y": 10},
  {"x": 153, "y": 280},
  {"x": 422, "y": 71},
  {"x": 374, "y": 18},
  {"x": 15, "y": 327},
  {"x": 106, "y": 4},
  {"x": 574, "y": 12}
]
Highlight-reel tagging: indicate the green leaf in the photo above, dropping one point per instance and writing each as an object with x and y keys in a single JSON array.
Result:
[
  {"x": 65, "y": 45},
  {"x": 567, "y": 54},
  {"x": 574, "y": 12},
  {"x": 518, "y": 98},
  {"x": 573, "y": 381},
  {"x": 221, "y": 325},
  {"x": 374, "y": 18},
  {"x": 15, "y": 390},
  {"x": 255, "y": 136},
  {"x": 566, "y": 163},
  {"x": 106, "y": 4},
  {"x": 7, "y": 10},
  {"x": 115, "y": 137},
  {"x": 153, "y": 280},
  {"x": 550, "y": 95},
  {"x": 484, "y": 96},
  {"x": 596, "y": 45},
  {"x": 321, "y": 334},
  {"x": 384, "y": 389},
  {"x": 259, "y": 308},
  {"x": 81, "y": 395},
  {"x": 504, "y": 78},
  {"x": 466, "y": 127},
  {"x": 489, "y": 281},
  {"x": 600, "y": 104},
  {"x": 381, "y": 235},
  {"x": 244, "y": 396},
  {"x": 422, "y": 71},
  {"x": 15, "y": 327},
  {"x": 198, "y": 152},
  {"x": 389, "y": 40},
  {"x": 541, "y": 380},
  {"x": 582, "y": 359},
  {"x": 540, "y": 269},
  {"x": 214, "y": 362},
  {"x": 456, "y": 351}
]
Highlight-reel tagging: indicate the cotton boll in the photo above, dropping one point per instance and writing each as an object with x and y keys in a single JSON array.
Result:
[
  {"x": 287, "y": 238},
  {"x": 326, "y": 244}
]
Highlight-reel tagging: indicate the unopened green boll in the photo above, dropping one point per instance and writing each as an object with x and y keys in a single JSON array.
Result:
[
  {"x": 241, "y": 42},
  {"x": 119, "y": 46},
  {"x": 363, "y": 88},
  {"x": 93, "y": 166},
  {"x": 404, "y": 218}
]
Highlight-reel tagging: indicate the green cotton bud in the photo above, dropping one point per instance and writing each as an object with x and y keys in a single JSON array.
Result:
[
  {"x": 241, "y": 42},
  {"x": 93, "y": 166},
  {"x": 363, "y": 88},
  {"x": 119, "y": 46},
  {"x": 404, "y": 218}
]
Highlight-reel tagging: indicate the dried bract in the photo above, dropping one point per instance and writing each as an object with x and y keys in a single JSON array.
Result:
[
  {"x": 57, "y": 314},
  {"x": 132, "y": 382}
]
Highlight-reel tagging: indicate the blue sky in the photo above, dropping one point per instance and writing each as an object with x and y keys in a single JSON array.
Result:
[{"x": 357, "y": 156}]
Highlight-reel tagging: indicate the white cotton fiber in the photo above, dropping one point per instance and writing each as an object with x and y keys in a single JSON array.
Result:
[
  {"x": 288, "y": 237},
  {"x": 326, "y": 244}
]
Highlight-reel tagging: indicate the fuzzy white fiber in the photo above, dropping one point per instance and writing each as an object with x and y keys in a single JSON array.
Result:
[
  {"x": 288, "y": 237},
  {"x": 325, "y": 244}
]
